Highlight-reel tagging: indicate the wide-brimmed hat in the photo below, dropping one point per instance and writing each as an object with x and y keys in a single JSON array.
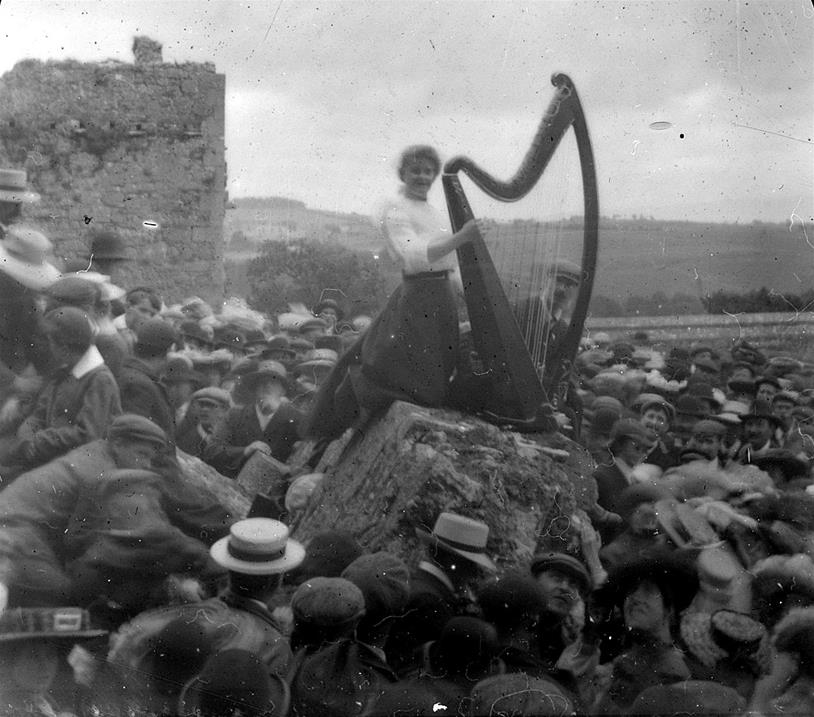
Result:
[
  {"x": 179, "y": 370},
  {"x": 569, "y": 271},
  {"x": 565, "y": 563},
  {"x": 31, "y": 623},
  {"x": 23, "y": 254},
  {"x": 14, "y": 187},
  {"x": 790, "y": 464},
  {"x": 258, "y": 546},
  {"x": 760, "y": 409},
  {"x": 673, "y": 572},
  {"x": 461, "y": 535}
]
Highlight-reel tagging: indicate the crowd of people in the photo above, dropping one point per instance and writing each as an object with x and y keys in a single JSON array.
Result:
[{"x": 124, "y": 591}]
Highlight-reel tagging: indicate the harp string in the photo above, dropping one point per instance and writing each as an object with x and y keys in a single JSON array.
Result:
[{"x": 527, "y": 238}]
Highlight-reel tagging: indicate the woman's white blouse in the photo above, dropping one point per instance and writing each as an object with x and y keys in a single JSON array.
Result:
[{"x": 408, "y": 226}]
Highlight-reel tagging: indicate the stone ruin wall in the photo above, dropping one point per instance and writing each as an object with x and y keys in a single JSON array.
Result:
[{"x": 115, "y": 145}]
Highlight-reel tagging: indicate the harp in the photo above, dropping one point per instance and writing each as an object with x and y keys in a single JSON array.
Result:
[{"x": 519, "y": 385}]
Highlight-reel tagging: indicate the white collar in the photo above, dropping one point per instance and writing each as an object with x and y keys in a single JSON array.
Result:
[
  {"x": 264, "y": 420},
  {"x": 436, "y": 572},
  {"x": 89, "y": 360}
]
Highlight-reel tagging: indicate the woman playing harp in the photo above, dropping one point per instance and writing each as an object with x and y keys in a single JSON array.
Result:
[{"x": 410, "y": 351}]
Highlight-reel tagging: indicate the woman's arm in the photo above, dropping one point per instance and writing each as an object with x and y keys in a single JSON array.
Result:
[{"x": 443, "y": 244}]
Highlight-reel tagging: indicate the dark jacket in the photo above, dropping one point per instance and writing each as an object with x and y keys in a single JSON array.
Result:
[
  {"x": 69, "y": 413},
  {"x": 143, "y": 393},
  {"x": 339, "y": 680},
  {"x": 241, "y": 427},
  {"x": 430, "y": 606},
  {"x": 610, "y": 482}
]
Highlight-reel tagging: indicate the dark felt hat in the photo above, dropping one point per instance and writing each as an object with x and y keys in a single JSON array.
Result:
[
  {"x": 466, "y": 646},
  {"x": 631, "y": 428},
  {"x": 156, "y": 335},
  {"x": 69, "y": 325},
  {"x": 179, "y": 370},
  {"x": 760, "y": 409},
  {"x": 510, "y": 600},
  {"x": 235, "y": 681},
  {"x": 674, "y": 573},
  {"x": 108, "y": 245},
  {"x": 747, "y": 387},
  {"x": 327, "y": 555},
  {"x": 688, "y": 405},
  {"x": 791, "y": 465},
  {"x": 384, "y": 580}
]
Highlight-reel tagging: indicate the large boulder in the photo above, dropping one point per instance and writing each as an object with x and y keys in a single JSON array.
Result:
[{"x": 405, "y": 468}]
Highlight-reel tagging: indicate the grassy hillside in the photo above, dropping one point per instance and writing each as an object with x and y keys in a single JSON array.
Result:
[{"x": 636, "y": 256}]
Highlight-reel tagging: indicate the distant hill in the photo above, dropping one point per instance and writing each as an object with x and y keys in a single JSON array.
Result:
[{"x": 636, "y": 256}]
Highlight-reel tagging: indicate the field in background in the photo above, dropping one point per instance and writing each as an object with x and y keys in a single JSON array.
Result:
[{"x": 637, "y": 257}]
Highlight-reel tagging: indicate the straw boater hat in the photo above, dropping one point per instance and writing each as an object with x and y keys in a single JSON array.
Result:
[
  {"x": 14, "y": 189},
  {"x": 34, "y": 623},
  {"x": 258, "y": 546},
  {"x": 461, "y": 535},
  {"x": 23, "y": 254},
  {"x": 316, "y": 360}
]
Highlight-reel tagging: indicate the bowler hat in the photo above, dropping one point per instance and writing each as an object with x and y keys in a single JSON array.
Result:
[
  {"x": 258, "y": 546},
  {"x": 156, "y": 335},
  {"x": 74, "y": 291},
  {"x": 463, "y": 536},
  {"x": 69, "y": 325},
  {"x": 329, "y": 304}
]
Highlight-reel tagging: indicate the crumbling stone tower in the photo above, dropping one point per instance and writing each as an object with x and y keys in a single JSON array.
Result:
[{"x": 137, "y": 148}]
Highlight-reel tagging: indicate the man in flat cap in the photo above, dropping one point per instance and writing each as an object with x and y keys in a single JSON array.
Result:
[{"x": 38, "y": 510}]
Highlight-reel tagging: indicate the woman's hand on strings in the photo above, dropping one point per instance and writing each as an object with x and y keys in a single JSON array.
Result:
[{"x": 470, "y": 231}]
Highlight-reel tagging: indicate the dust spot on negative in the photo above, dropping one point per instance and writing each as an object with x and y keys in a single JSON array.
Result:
[{"x": 660, "y": 125}]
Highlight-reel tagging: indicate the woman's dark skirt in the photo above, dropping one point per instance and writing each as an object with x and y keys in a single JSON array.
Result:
[{"x": 409, "y": 354}]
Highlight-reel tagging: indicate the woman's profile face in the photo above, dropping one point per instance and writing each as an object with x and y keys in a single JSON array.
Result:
[{"x": 418, "y": 176}]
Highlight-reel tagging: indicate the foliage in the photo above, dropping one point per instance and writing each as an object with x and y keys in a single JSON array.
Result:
[
  {"x": 300, "y": 270},
  {"x": 762, "y": 300}
]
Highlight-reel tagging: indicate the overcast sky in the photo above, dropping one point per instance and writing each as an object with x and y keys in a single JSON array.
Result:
[{"x": 321, "y": 97}]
